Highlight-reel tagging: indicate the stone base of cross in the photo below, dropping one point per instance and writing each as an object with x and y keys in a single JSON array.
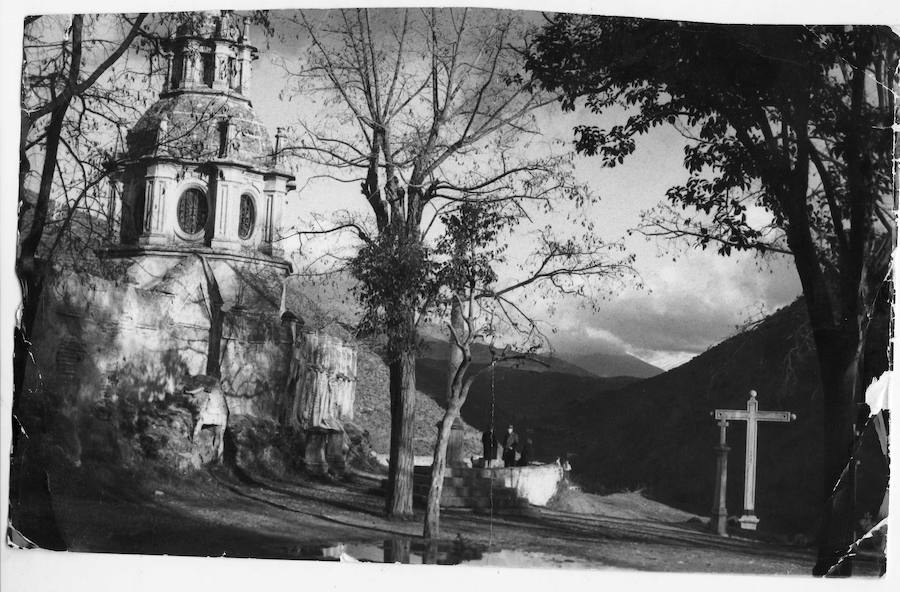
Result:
[{"x": 752, "y": 415}]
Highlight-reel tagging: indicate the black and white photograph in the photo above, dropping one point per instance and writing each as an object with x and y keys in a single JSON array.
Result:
[{"x": 470, "y": 286}]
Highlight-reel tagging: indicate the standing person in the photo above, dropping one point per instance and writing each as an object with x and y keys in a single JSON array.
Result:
[
  {"x": 527, "y": 450},
  {"x": 510, "y": 445},
  {"x": 489, "y": 444}
]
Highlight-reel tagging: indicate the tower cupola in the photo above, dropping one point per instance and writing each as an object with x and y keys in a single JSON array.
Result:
[{"x": 201, "y": 170}]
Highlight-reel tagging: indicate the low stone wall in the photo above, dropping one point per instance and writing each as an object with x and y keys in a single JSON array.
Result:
[{"x": 535, "y": 483}]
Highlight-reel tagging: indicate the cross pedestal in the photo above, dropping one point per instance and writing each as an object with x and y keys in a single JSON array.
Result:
[
  {"x": 719, "y": 510},
  {"x": 752, "y": 415}
]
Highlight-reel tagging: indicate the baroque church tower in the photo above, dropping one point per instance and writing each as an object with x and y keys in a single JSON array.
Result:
[
  {"x": 202, "y": 174},
  {"x": 198, "y": 203}
]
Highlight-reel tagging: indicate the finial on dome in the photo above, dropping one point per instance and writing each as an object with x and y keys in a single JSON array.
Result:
[{"x": 279, "y": 145}]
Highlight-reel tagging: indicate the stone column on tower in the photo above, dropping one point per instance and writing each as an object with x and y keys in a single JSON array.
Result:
[
  {"x": 245, "y": 70},
  {"x": 192, "y": 68},
  {"x": 160, "y": 179},
  {"x": 227, "y": 208},
  {"x": 114, "y": 208},
  {"x": 167, "y": 81},
  {"x": 221, "y": 66},
  {"x": 275, "y": 189},
  {"x": 264, "y": 222},
  {"x": 246, "y": 58}
]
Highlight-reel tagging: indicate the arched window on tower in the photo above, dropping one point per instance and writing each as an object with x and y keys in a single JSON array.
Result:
[
  {"x": 247, "y": 217},
  {"x": 193, "y": 210}
]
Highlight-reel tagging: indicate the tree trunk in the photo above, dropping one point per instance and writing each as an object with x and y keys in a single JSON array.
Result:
[
  {"x": 436, "y": 490},
  {"x": 403, "y": 406},
  {"x": 32, "y": 282},
  {"x": 28, "y": 267},
  {"x": 457, "y": 365},
  {"x": 839, "y": 352},
  {"x": 454, "y": 354}
]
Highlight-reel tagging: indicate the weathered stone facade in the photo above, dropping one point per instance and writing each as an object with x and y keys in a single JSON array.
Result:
[
  {"x": 197, "y": 206},
  {"x": 199, "y": 286},
  {"x": 100, "y": 339},
  {"x": 199, "y": 203}
]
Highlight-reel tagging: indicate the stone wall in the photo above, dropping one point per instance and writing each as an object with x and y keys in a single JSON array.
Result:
[
  {"x": 535, "y": 483},
  {"x": 255, "y": 361},
  {"x": 99, "y": 339},
  {"x": 323, "y": 382}
]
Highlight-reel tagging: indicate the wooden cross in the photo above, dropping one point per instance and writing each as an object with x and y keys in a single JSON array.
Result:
[{"x": 752, "y": 415}]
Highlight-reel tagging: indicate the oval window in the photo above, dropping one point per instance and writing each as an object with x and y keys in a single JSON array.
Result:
[
  {"x": 248, "y": 217},
  {"x": 192, "y": 211}
]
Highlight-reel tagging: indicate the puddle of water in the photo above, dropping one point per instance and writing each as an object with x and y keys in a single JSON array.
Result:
[
  {"x": 413, "y": 551},
  {"x": 395, "y": 550}
]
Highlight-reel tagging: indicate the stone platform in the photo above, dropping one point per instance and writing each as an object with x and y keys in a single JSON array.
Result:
[
  {"x": 478, "y": 489},
  {"x": 510, "y": 489}
]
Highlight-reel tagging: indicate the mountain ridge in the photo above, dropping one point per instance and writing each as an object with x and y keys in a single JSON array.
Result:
[{"x": 607, "y": 365}]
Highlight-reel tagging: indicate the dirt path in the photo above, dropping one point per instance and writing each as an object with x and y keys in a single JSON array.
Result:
[{"x": 218, "y": 514}]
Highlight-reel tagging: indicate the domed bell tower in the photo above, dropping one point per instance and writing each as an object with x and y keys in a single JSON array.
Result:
[{"x": 201, "y": 174}]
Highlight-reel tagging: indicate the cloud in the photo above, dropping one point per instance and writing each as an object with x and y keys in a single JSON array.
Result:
[
  {"x": 663, "y": 359},
  {"x": 689, "y": 305}
]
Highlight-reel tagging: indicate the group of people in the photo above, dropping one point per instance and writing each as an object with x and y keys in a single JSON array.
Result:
[{"x": 513, "y": 447}]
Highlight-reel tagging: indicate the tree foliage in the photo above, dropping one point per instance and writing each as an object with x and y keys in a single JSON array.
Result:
[
  {"x": 788, "y": 150},
  {"x": 762, "y": 108}
]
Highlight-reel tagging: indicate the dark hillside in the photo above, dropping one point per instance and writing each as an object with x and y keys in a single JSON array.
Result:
[
  {"x": 536, "y": 398},
  {"x": 658, "y": 433},
  {"x": 372, "y": 409}
]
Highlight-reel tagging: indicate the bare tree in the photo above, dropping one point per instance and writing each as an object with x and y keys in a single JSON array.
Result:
[
  {"x": 72, "y": 94},
  {"x": 480, "y": 309},
  {"x": 426, "y": 109}
]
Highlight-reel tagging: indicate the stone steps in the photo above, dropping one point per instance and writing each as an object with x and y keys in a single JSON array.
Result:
[
  {"x": 480, "y": 490},
  {"x": 467, "y": 491},
  {"x": 466, "y": 472},
  {"x": 475, "y": 503}
]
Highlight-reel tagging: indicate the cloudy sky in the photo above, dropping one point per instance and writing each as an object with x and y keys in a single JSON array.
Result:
[{"x": 687, "y": 300}]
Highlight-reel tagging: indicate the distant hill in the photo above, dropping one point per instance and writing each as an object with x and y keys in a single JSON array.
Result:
[
  {"x": 657, "y": 434},
  {"x": 536, "y": 396},
  {"x": 531, "y": 395},
  {"x": 606, "y": 365},
  {"x": 437, "y": 348},
  {"x": 372, "y": 409}
]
